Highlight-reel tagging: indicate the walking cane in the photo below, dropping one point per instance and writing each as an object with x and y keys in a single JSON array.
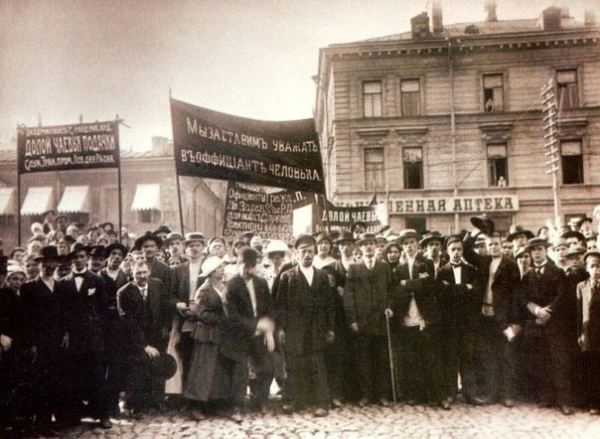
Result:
[{"x": 391, "y": 355}]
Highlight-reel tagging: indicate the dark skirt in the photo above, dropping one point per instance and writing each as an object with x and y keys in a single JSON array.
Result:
[{"x": 210, "y": 374}]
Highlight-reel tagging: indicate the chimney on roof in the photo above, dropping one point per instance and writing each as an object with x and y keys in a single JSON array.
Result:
[
  {"x": 420, "y": 26},
  {"x": 490, "y": 9},
  {"x": 590, "y": 13},
  {"x": 437, "y": 22},
  {"x": 551, "y": 18},
  {"x": 160, "y": 145}
]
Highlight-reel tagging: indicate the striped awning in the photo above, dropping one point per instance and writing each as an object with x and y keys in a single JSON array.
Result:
[
  {"x": 38, "y": 200},
  {"x": 147, "y": 197},
  {"x": 75, "y": 199},
  {"x": 7, "y": 201}
]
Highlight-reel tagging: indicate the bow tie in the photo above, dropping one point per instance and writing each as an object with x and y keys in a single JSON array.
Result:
[
  {"x": 78, "y": 274},
  {"x": 455, "y": 265}
]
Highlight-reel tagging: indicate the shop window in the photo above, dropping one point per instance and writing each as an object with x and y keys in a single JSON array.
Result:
[{"x": 149, "y": 216}]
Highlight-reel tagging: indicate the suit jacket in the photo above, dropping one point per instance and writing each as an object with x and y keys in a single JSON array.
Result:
[
  {"x": 43, "y": 315},
  {"x": 460, "y": 306},
  {"x": 120, "y": 280},
  {"x": 161, "y": 271},
  {"x": 306, "y": 311},
  {"x": 548, "y": 290},
  {"x": 143, "y": 322},
  {"x": 421, "y": 287},
  {"x": 84, "y": 311},
  {"x": 588, "y": 315},
  {"x": 241, "y": 322},
  {"x": 367, "y": 294},
  {"x": 505, "y": 299}
]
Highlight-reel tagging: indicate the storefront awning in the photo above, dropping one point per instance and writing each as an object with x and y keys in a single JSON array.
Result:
[
  {"x": 147, "y": 197},
  {"x": 75, "y": 199},
  {"x": 38, "y": 201},
  {"x": 7, "y": 200}
]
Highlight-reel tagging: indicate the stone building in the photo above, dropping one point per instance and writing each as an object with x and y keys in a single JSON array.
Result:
[
  {"x": 149, "y": 195},
  {"x": 446, "y": 121}
]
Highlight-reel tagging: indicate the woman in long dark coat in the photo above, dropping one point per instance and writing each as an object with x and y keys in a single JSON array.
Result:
[{"x": 207, "y": 380}]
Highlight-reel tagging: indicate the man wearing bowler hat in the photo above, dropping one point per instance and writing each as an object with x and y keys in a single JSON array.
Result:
[
  {"x": 115, "y": 253},
  {"x": 47, "y": 331},
  {"x": 368, "y": 300},
  {"x": 84, "y": 306},
  {"x": 545, "y": 342}
]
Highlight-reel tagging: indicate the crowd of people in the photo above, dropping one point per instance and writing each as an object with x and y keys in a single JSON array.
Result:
[{"x": 92, "y": 328}]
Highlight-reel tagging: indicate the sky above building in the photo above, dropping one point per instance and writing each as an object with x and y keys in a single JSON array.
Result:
[{"x": 61, "y": 59}]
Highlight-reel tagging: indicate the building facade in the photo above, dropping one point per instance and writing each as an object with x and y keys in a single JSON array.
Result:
[
  {"x": 446, "y": 122},
  {"x": 148, "y": 196}
]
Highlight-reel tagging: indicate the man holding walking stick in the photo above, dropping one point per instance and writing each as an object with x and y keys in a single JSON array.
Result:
[{"x": 367, "y": 302}]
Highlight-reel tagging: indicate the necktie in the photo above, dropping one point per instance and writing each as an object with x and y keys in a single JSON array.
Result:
[{"x": 538, "y": 272}]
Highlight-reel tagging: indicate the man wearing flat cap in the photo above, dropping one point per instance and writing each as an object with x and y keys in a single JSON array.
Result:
[
  {"x": 368, "y": 298},
  {"x": 306, "y": 322},
  {"x": 545, "y": 344}
]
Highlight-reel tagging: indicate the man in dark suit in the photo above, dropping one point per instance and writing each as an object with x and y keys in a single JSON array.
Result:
[
  {"x": 84, "y": 306},
  {"x": 141, "y": 305},
  {"x": 418, "y": 314},
  {"x": 306, "y": 327},
  {"x": 249, "y": 326},
  {"x": 368, "y": 299},
  {"x": 149, "y": 244},
  {"x": 47, "y": 331},
  {"x": 545, "y": 342},
  {"x": 588, "y": 325},
  {"x": 460, "y": 306},
  {"x": 500, "y": 318},
  {"x": 115, "y": 253}
]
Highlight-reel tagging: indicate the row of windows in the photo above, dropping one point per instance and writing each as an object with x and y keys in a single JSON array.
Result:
[
  {"x": 497, "y": 161},
  {"x": 493, "y": 94}
]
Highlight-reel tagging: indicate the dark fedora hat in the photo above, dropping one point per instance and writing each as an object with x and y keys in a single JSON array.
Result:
[
  {"x": 76, "y": 248},
  {"x": 366, "y": 237},
  {"x": 534, "y": 242},
  {"x": 116, "y": 246},
  {"x": 162, "y": 229},
  {"x": 483, "y": 223},
  {"x": 345, "y": 237},
  {"x": 516, "y": 230},
  {"x": 164, "y": 366},
  {"x": 148, "y": 236},
  {"x": 432, "y": 236},
  {"x": 47, "y": 253},
  {"x": 98, "y": 251}
]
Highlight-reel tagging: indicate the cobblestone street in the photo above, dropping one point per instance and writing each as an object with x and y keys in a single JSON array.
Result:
[{"x": 352, "y": 422}]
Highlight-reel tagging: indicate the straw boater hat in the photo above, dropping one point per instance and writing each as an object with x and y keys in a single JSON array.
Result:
[
  {"x": 591, "y": 253},
  {"x": 366, "y": 237},
  {"x": 172, "y": 237},
  {"x": 276, "y": 246},
  {"x": 194, "y": 236},
  {"x": 211, "y": 264}
]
